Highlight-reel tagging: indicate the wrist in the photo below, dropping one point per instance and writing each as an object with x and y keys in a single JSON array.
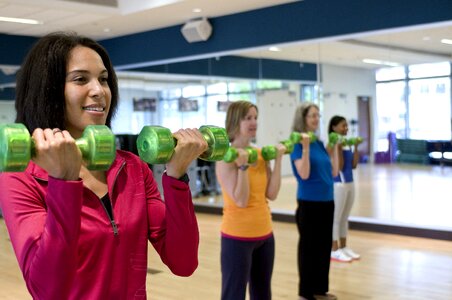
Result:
[{"x": 244, "y": 167}]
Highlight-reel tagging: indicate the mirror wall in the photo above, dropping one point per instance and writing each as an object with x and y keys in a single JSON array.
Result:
[{"x": 413, "y": 195}]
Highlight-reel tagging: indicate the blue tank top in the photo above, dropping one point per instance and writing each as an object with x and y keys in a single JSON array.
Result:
[
  {"x": 346, "y": 174},
  {"x": 319, "y": 185}
]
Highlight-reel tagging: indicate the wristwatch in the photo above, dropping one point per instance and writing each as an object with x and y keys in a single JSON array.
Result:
[
  {"x": 184, "y": 178},
  {"x": 244, "y": 167}
]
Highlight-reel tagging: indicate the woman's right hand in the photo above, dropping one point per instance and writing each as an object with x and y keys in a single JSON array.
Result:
[
  {"x": 57, "y": 153},
  {"x": 305, "y": 140},
  {"x": 242, "y": 158}
]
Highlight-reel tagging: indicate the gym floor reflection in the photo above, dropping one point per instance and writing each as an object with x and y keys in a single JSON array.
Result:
[{"x": 399, "y": 194}]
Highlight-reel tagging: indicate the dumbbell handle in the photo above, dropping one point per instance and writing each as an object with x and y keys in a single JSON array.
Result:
[
  {"x": 295, "y": 137},
  {"x": 155, "y": 144},
  {"x": 353, "y": 141},
  {"x": 270, "y": 152},
  {"x": 232, "y": 154},
  {"x": 97, "y": 145},
  {"x": 335, "y": 138}
]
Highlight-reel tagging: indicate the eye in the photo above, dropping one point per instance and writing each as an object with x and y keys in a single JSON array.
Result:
[{"x": 79, "y": 79}]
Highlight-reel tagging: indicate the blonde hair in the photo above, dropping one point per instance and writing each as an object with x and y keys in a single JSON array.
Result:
[
  {"x": 299, "y": 120},
  {"x": 237, "y": 111}
]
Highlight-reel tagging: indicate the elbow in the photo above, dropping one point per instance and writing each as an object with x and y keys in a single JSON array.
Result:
[
  {"x": 185, "y": 270},
  {"x": 242, "y": 201},
  {"x": 272, "y": 195},
  {"x": 241, "y": 204},
  {"x": 185, "y": 262}
]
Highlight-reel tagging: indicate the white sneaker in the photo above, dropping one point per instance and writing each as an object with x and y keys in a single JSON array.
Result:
[
  {"x": 340, "y": 256},
  {"x": 350, "y": 253}
]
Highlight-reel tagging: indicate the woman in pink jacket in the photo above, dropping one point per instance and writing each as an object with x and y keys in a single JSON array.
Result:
[{"x": 82, "y": 234}]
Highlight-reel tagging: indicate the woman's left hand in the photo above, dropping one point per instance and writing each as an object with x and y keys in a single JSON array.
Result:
[
  {"x": 190, "y": 145},
  {"x": 281, "y": 150}
]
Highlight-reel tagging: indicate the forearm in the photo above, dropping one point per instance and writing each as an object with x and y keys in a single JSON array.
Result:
[
  {"x": 355, "y": 157},
  {"x": 45, "y": 239},
  {"x": 241, "y": 191},
  {"x": 274, "y": 183},
  {"x": 303, "y": 165},
  {"x": 335, "y": 162},
  {"x": 180, "y": 248}
]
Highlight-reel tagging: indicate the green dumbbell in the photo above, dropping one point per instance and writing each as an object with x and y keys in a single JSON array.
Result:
[
  {"x": 353, "y": 141},
  {"x": 98, "y": 147},
  {"x": 156, "y": 144},
  {"x": 233, "y": 153},
  {"x": 269, "y": 152},
  {"x": 335, "y": 138},
  {"x": 295, "y": 137}
]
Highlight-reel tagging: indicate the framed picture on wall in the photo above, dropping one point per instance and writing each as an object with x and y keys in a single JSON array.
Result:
[
  {"x": 144, "y": 104},
  {"x": 188, "y": 105},
  {"x": 223, "y": 105}
]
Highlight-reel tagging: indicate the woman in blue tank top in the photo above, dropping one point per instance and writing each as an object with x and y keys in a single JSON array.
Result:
[
  {"x": 344, "y": 193},
  {"x": 314, "y": 169}
]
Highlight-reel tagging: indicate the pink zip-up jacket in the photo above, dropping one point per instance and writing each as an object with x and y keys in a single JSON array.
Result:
[{"x": 69, "y": 248}]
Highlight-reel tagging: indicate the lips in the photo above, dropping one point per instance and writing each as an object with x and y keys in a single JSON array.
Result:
[{"x": 95, "y": 108}]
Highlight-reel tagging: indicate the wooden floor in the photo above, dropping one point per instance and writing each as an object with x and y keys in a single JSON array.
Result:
[
  {"x": 405, "y": 194},
  {"x": 392, "y": 267}
]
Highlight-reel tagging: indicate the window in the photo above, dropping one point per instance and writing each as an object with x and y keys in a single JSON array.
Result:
[
  {"x": 417, "y": 106},
  {"x": 391, "y": 109},
  {"x": 429, "y": 70},
  {"x": 387, "y": 74},
  {"x": 429, "y": 109}
]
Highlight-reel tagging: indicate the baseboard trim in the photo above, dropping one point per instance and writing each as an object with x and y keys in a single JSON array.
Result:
[{"x": 362, "y": 224}]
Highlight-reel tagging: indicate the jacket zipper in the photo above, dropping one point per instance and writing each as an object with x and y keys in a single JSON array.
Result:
[{"x": 112, "y": 218}]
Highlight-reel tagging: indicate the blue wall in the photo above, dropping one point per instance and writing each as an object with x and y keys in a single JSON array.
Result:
[
  {"x": 298, "y": 21},
  {"x": 165, "y": 49},
  {"x": 241, "y": 67}
]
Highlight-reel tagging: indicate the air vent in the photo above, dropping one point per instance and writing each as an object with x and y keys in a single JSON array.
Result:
[{"x": 109, "y": 3}]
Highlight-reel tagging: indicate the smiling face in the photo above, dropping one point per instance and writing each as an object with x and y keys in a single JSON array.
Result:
[
  {"x": 87, "y": 93},
  {"x": 312, "y": 119},
  {"x": 341, "y": 127},
  {"x": 248, "y": 125}
]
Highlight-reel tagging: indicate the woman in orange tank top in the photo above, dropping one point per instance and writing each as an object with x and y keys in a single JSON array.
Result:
[{"x": 247, "y": 243}]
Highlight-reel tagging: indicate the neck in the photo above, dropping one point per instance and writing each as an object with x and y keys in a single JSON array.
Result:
[
  {"x": 241, "y": 142},
  {"x": 85, "y": 173}
]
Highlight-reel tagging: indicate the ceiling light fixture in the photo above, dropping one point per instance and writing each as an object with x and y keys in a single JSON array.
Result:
[
  {"x": 380, "y": 62},
  {"x": 19, "y": 20},
  {"x": 446, "y": 41},
  {"x": 197, "y": 10},
  {"x": 274, "y": 49}
]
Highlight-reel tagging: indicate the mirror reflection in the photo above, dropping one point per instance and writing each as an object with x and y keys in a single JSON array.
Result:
[{"x": 393, "y": 89}]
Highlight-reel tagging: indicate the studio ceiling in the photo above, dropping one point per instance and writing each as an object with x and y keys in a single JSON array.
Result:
[{"x": 113, "y": 18}]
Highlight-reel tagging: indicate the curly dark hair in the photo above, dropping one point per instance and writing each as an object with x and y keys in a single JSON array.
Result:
[{"x": 40, "y": 101}]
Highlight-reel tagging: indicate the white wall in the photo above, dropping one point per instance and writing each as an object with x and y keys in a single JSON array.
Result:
[
  {"x": 276, "y": 110},
  {"x": 341, "y": 87}
]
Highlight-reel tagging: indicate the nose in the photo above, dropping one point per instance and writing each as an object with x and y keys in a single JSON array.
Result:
[{"x": 97, "y": 89}]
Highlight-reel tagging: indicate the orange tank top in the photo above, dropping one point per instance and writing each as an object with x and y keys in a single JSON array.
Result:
[{"x": 253, "y": 221}]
